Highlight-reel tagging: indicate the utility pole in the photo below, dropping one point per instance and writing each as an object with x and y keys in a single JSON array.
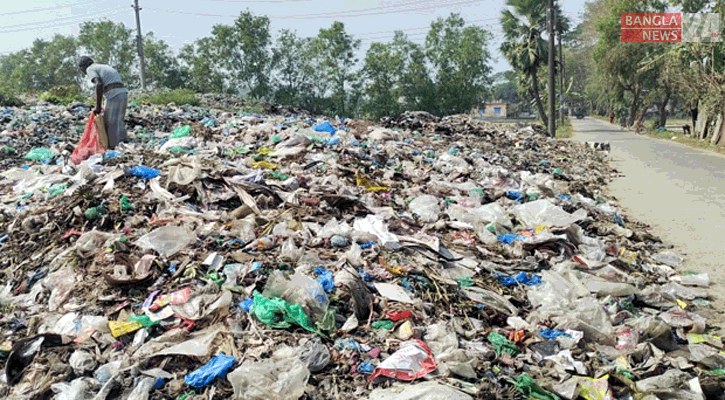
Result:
[
  {"x": 552, "y": 80},
  {"x": 561, "y": 80},
  {"x": 139, "y": 44}
]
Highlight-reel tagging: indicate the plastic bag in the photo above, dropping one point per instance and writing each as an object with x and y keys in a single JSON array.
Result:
[
  {"x": 181, "y": 132},
  {"x": 81, "y": 362},
  {"x": 702, "y": 280},
  {"x": 544, "y": 213},
  {"x": 167, "y": 240},
  {"x": 530, "y": 388},
  {"x": 282, "y": 377},
  {"x": 298, "y": 289},
  {"x": 290, "y": 252},
  {"x": 668, "y": 258},
  {"x": 78, "y": 389},
  {"x": 422, "y": 391},
  {"x": 217, "y": 366},
  {"x": 325, "y": 127},
  {"x": 375, "y": 225},
  {"x": 425, "y": 207},
  {"x": 40, "y": 154},
  {"x": 106, "y": 371},
  {"x": 90, "y": 143},
  {"x": 277, "y": 313},
  {"x": 144, "y": 172},
  {"x": 60, "y": 284},
  {"x": 142, "y": 389},
  {"x": 412, "y": 361},
  {"x": 315, "y": 354}
]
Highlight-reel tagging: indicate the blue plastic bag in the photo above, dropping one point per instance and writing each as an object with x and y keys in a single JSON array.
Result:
[
  {"x": 509, "y": 238},
  {"x": 217, "y": 366},
  {"x": 145, "y": 172},
  {"x": 520, "y": 278},
  {"x": 552, "y": 333},
  {"x": 247, "y": 304},
  {"x": 325, "y": 127},
  {"x": 325, "y": 279}
]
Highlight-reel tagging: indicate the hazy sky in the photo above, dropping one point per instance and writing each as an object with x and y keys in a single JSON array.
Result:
[{"x": 183, "y": 21}]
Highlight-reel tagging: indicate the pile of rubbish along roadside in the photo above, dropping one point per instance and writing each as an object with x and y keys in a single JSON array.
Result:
[{"x": 223, "y": 255}]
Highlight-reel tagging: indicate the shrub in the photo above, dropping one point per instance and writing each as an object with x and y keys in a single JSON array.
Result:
[
  {"x": 63, "y": 95},
  {"x": 8, "y": 99},
  {"x": 178, "y": 96}
]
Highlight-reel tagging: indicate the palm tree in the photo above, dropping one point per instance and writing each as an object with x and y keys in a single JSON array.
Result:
[{"x": 524, "y": 22}]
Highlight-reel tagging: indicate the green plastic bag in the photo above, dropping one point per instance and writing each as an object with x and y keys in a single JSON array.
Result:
[
  {"x": 502, "y": 345},
  {"x": 40, "y": 154},
  {"x": 144, "y": 320},
  {"x": 181, "y": 132},
  {"x": 529, "y": 387},
  {"x": 277, "y": 313},
  {"x": 383, "y": 324}
]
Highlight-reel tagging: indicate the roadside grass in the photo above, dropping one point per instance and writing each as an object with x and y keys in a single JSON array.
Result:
[{"x": 565, "y": 130}]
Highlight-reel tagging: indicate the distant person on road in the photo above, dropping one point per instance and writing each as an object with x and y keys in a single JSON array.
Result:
[
  {"x": 108, "y": 84},
  {"x": 611, "y": 117}
]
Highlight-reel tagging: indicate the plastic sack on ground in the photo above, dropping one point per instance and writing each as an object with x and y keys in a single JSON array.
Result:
[
  {"x": 425, "y": 207},
  {"x": 40, "y": 154},
  {"x": 217, "y": 366},
  {"x": 315, "y": 354},
  {"x": 298, "y": 289},
  {"x": 90, "y": 143},
  {"x": 167, "y": 240},
  {"x": 325, "y": 127},
  {"x": 545, "y": 213},
  {"x": 144, "y": 172},
  {"x": 282, "y": 377},
  {"x": 277, "y": 313},
  {"x": 422, "y": 391},
  {"x": 668, "y": 258},
  {"x": 375, "y": 225},
  {"x": 412, "y": 361},
  {"x": 78, "y": 389},
  {"x": 184, "y": 171}
]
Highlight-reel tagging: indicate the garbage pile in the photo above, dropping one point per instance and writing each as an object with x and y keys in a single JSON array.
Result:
[{"x": 223, "y": 255}]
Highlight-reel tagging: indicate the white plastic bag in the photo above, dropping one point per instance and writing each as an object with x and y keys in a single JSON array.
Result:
[
  {"x": 425, "y": 207},
  {"x": 282, "y": 377},
  {"x": 167, "y": 240}
]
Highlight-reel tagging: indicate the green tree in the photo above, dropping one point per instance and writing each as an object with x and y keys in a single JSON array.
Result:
[
  {"x": 47, "y": 63},
  {"x": 619, "y": 64},
  {"x": 290, "y": 58},
  {"x": 460, "y": 59},
  {"x": 162, "y": 66},
  {"x": 384, "y": 70},
  {"x": 336, "y": 49},
  {"x": 111, "y": 43},
  {"x": 245, "y": 53},
  {"x": 524, "y": 47},
  {"x": 198, "y": 64}
]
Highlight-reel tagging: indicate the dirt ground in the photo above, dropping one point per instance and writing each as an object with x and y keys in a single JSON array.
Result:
[{"x": 678, "y": 190}]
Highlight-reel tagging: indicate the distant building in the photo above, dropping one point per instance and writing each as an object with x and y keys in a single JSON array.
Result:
[{"x": 495, "y": 109}]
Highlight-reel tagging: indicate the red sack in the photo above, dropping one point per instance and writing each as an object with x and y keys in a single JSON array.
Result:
[{"x": 90, "y": 143}]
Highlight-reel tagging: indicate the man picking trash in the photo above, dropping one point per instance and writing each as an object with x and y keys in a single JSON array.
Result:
[{"x": 108, "y": 84}]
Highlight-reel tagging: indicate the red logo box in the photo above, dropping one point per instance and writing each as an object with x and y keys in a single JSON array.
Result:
[{"x": 652, "y": 27}]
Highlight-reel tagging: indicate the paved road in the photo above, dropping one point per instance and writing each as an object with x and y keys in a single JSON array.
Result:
[{"x": 678, "y": 190}]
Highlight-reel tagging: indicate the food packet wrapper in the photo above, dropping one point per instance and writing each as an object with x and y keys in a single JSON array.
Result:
[{"x": 412, "y": 361}]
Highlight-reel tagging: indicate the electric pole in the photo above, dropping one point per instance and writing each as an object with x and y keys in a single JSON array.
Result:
[
  {"x": 139, "y": 44},
  {"x": 561, "y": 80},
  {"x": 552, "y": 80}
]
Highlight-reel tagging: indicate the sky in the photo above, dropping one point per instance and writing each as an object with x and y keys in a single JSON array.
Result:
[{"x": 183, "y": 21}]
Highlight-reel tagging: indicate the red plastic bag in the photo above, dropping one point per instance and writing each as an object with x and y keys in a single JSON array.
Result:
[{"x": 90, "y": 143}]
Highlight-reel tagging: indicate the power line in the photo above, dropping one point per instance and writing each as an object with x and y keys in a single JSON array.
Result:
[
  {"x": 66, "y": 19},
  {"x": 94, "y": 16},
  {"x": 358, "y": 13},
  {"x": 48, "y": 8}
]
